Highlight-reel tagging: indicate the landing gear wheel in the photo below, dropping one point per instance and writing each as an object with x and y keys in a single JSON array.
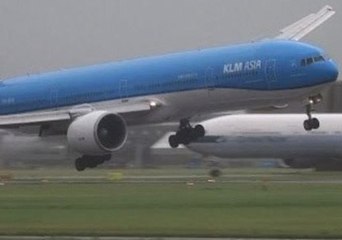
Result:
[
  {"x": 173, "y": 141},
  {"x": 199, "y": 131},
  {"x": 93, "y": 164},
  {"x": 215, "y": 173},
  {"x": 185, "y": 137},
  {"x": 80, "y": 164},
  {"x": 315, "y": 123},
  {"x": 86, "y": 161},
  {"x": 307, "y": 125},
  {"x": 312, "y": 123},
  {"x": 106, "y": 158},
  {"x": 186, "y": 134}
]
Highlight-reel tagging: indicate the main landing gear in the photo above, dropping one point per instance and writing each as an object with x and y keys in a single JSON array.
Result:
[
  {"x": 186, "y": 134},
  {"x": 312, "y": 123},
  {"x": 215, "y": 173},
  {"x": 86, "y": 161}
]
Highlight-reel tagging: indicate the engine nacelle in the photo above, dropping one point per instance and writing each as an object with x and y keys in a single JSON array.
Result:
[{"x": 97, "y": 133}]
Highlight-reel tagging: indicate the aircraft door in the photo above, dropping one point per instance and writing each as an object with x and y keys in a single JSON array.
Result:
[
  {"x": 123, "y": 90},
  {"x": 209, "y": 78},
  {"x": 53, "y": 97},
  {"x": 270, "y": 73},
  {"x": 210, "y": 82}
]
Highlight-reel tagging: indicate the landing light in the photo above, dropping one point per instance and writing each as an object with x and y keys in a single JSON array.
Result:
[{"x": 153, "y": 104}]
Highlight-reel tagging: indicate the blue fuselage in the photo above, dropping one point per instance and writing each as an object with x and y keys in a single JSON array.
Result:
[{"x": 263, "y": 66}]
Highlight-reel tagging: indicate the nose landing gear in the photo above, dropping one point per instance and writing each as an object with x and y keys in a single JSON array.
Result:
[
  {"x": 186, "y": 134},
  {"x": 312, "y": 123}
]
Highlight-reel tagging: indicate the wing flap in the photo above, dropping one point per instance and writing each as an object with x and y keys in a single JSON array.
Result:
[
  {"x": 128, "y": 107},
  {"x": 301, "y": 28}
]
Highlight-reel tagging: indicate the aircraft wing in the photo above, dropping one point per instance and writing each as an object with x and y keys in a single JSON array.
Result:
[
  {"x": 67, "y": 115},
  {"x": 35, "y": 118},
  {"x": 301, "y": 28}
]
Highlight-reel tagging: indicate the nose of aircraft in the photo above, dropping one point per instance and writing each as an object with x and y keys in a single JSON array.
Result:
[{"x": 332, "y": 71}]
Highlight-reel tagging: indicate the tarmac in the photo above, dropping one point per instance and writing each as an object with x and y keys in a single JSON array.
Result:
[
  {"x": 236, "y": 178},
  {"x": 128, "y": 238}
]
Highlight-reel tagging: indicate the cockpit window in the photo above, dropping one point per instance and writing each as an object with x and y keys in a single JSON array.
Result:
[
  {"x": 303, "y": 63},
  {"x": 308, "y": 61},
  {"x": 326, "y": 56},
  {"x": 319, "y": 59}
]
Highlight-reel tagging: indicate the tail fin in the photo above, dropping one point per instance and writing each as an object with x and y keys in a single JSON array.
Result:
[{"x": 301, "y": 28}]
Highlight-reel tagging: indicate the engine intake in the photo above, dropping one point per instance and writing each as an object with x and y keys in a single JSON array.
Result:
[{"x": 97, "y": 133}]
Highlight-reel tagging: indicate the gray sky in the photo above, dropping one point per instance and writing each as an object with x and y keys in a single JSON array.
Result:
[{"x": 40, "y": 35}]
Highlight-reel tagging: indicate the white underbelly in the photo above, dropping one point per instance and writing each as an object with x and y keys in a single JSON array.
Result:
[
  {"x": 295, "y": 146},
  {"x": 188, "y": 104}
]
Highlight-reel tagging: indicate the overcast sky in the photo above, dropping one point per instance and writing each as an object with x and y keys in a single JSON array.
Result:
[{"x": 40, "y": 35}]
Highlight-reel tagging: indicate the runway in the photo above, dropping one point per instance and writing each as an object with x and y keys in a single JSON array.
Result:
[
  {"x": 118, "y": 178},
  {"x": 130, "y": 238}
]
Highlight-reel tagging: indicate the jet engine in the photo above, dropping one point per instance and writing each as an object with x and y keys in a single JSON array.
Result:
[{"x": 97, "y": 133}]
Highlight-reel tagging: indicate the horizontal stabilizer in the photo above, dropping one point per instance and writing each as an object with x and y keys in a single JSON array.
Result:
[{"x": 301, "y": 28}]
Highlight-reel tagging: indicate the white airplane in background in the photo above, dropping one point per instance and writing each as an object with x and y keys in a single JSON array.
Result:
[{"x": 277, "y": 136}]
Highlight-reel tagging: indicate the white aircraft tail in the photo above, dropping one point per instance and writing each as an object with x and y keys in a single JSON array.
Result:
[{"x": 301, "y": 28}]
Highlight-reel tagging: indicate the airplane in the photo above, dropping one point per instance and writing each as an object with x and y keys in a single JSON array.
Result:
[
  {"x": 277, "y": 136},
  {"x": 93, "y": 105}
]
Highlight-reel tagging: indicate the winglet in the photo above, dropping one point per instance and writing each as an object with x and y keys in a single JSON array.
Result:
[{"x": 306, "y": 25}]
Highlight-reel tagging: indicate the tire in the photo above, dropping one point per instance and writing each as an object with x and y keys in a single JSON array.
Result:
[
  {"x": 215, "y": 173},
  {"x": 173, "y": 141},
  {"x": 184, "y": 136},
  {"x": 107, "y": 157},
  {"x": 80, "y": 164},
  {"x": 315, "y": 123},
  {"x": 199, "y": 131},
  {"x": 187, "y": 140},
  {"x": 92, "y": 163},
  {"x": 307, "y": 125}
]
